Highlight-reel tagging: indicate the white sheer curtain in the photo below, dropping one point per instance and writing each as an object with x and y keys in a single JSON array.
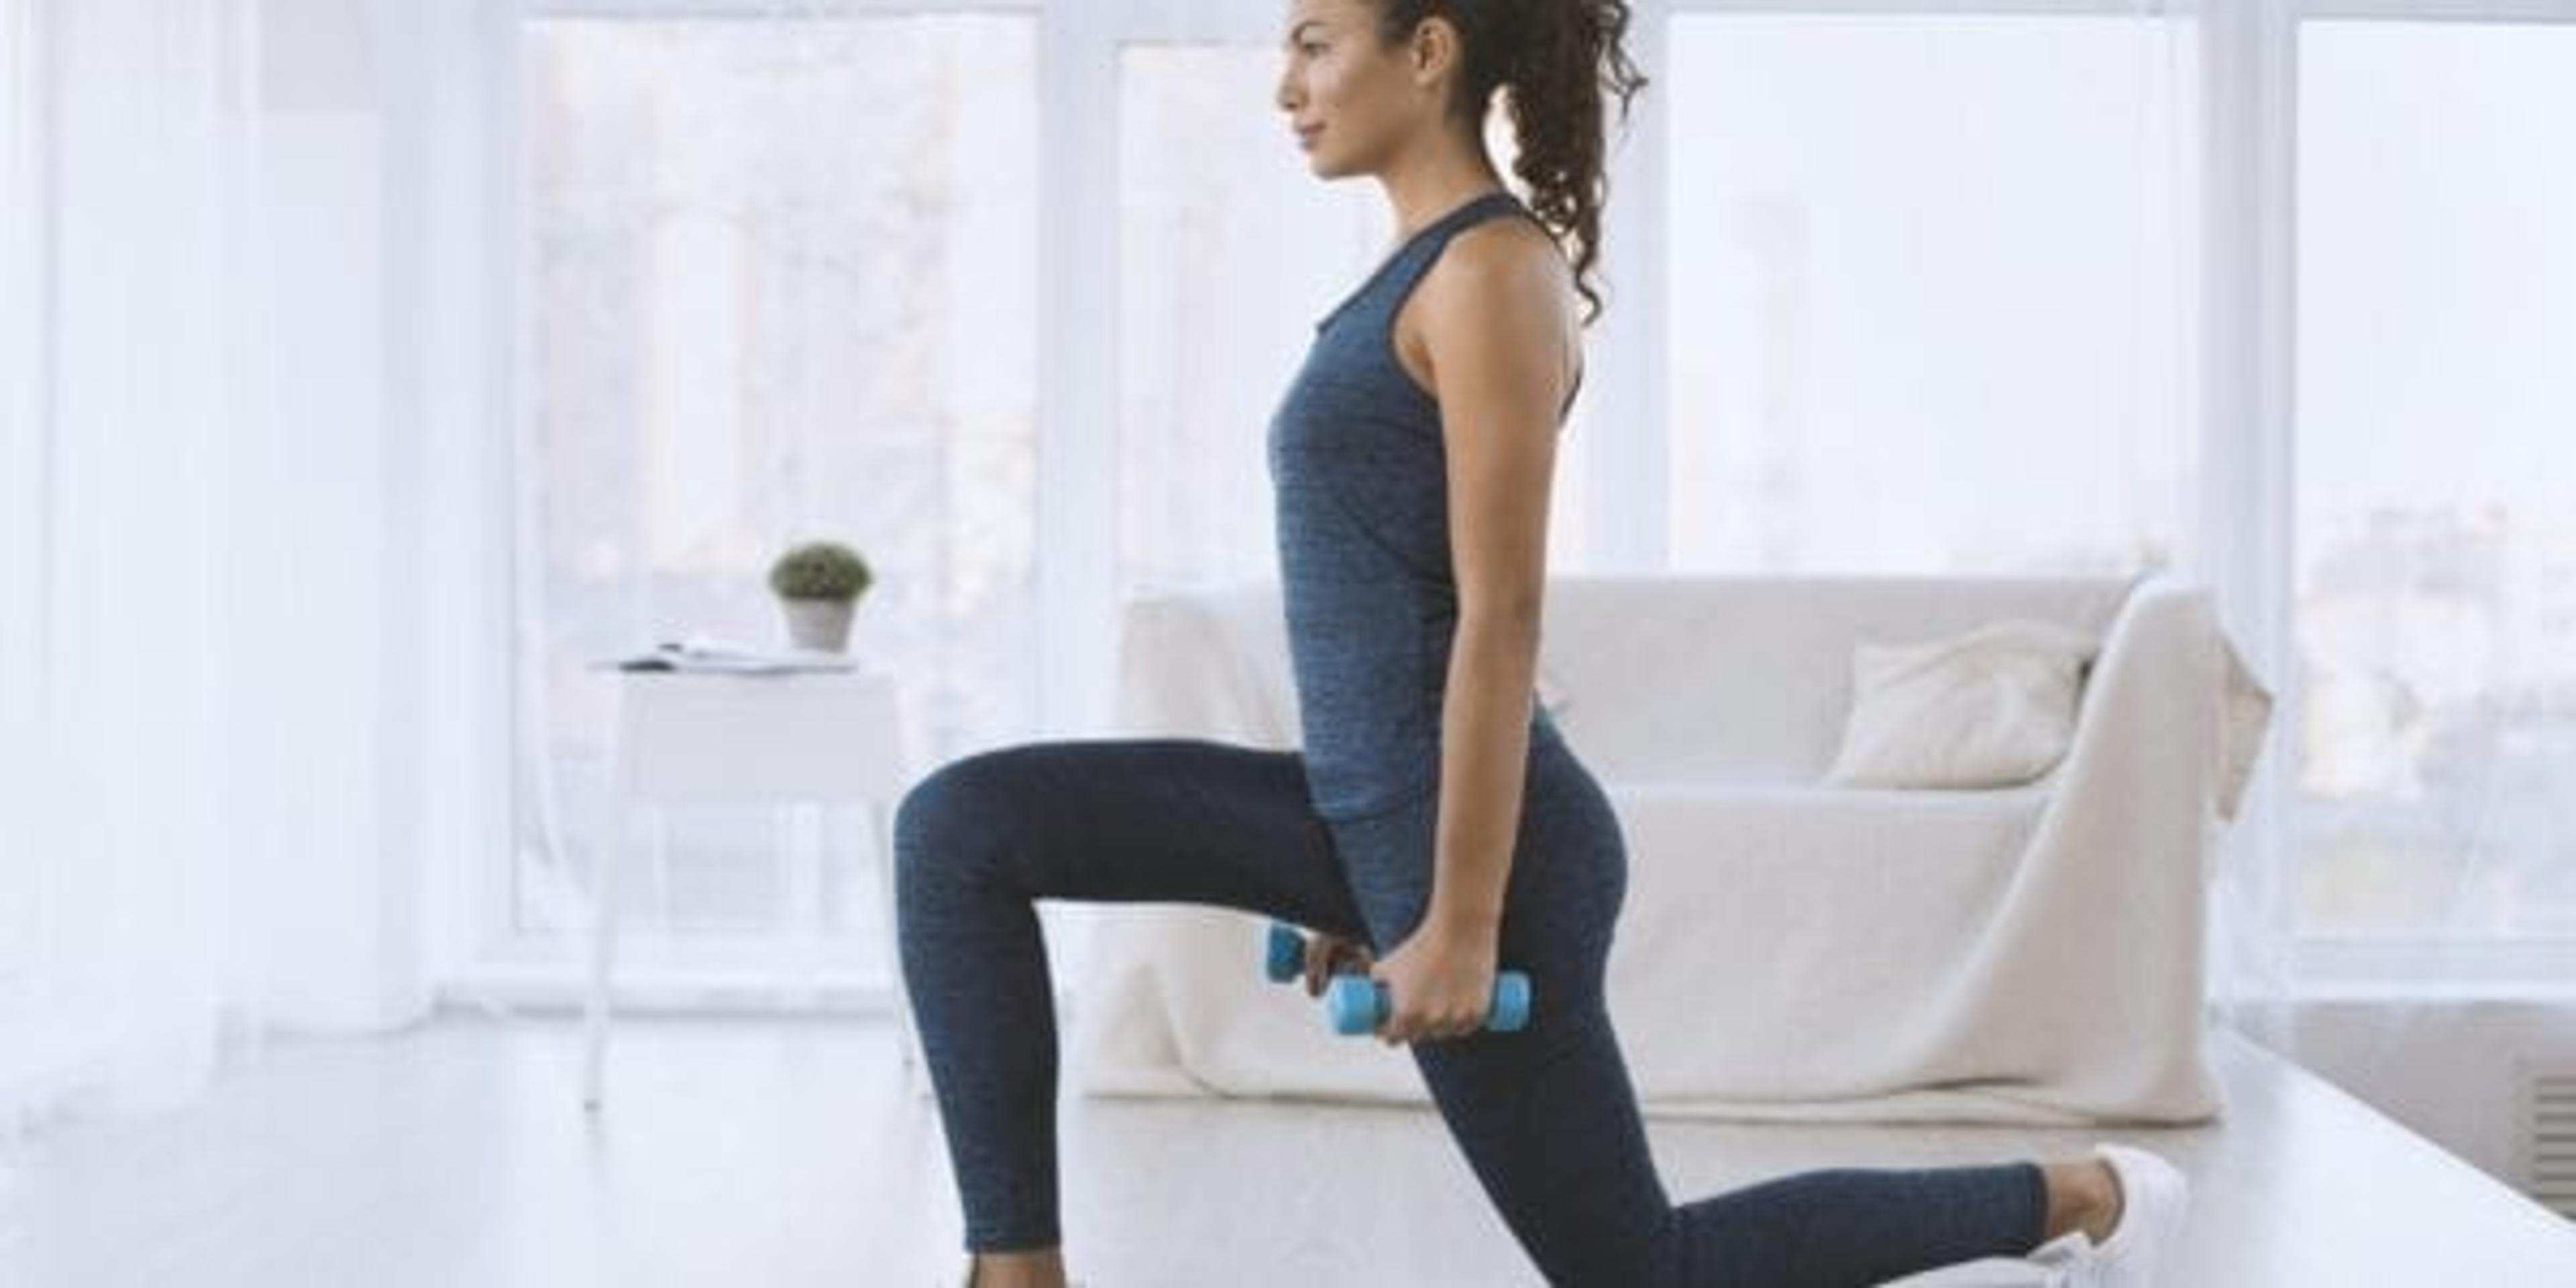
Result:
[
  {"x": 2235, "y": 529},
  {"x": 2437, "y": 542},
  {"x": 134, "y": 375},
  {"x": 223, "y": 753},
  {"x": 22, "y": 499}
]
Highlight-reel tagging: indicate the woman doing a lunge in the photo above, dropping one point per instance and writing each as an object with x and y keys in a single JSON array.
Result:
[{"x": 1435, "y": 824}]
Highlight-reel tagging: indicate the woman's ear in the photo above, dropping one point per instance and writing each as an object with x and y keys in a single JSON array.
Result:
[{"x": 1434, "y": 50}]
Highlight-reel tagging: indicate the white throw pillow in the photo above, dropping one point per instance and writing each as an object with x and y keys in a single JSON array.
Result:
[{"x": 1989, "y": 708}]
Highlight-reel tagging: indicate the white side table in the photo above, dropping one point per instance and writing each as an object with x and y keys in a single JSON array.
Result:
[{"x": 699, "y": 738}]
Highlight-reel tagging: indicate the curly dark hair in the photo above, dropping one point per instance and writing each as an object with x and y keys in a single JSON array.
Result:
[{"x": 1557, "y": 58}]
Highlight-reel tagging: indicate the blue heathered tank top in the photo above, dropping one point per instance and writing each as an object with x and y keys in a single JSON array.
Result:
[{"x": 1360, "y": 481}]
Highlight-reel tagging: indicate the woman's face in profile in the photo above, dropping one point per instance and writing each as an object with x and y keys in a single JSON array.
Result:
[{"x": 1348, "y": 97}]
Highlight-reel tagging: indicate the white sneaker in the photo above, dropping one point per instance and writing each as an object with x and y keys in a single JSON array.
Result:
[
  {"x": 2154, "y": 1198},
  {"x": 1985, "y": 1272}
]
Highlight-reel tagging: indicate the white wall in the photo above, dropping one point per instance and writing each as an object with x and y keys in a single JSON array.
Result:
[{"x": 2450, "y": 1070}]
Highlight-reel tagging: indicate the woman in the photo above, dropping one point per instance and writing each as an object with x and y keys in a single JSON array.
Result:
[{"x": 1435, "y": 811}]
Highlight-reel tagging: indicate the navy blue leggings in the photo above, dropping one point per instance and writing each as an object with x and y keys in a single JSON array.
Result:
[{"x": 1546, "y": 1117}]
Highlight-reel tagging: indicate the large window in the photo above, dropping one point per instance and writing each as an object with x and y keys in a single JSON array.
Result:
[
  {"x": 780, "y": 282},
  {"x": 1895, "y": 288},
  {"x": 2436, "y": 480},
  {"x": 1932, "y": 291}
]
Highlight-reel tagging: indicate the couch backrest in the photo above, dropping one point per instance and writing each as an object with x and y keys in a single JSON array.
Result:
[
  {"x": 1653, "y": 678},
  {"x": 1748, "y": 678}
]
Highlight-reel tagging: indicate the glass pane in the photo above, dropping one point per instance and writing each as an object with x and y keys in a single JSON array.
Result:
[
  {"x": 2436, "y": 503},
  {"x": 1230, "y": 250},
  {"x": 781, "y": 280},
  {"x": 1931, "y": 291}
]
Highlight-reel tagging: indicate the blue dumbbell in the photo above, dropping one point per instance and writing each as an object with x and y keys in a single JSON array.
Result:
[
  {"x": 1357, "y": 1004},
  {"x": 1287, "y": 958}
]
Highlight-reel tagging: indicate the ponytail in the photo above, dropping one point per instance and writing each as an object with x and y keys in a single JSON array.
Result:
[
  {"x": 1559, "y": 59},
  {"x": 1570, "y": 52}
]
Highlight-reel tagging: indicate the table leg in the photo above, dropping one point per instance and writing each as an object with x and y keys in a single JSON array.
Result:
[
  {"x": 605, "y": 863},
  {"x": 798, "y": 841},
  {"x": 881, "y": 840},
  {"x": 661, "y": 834}
]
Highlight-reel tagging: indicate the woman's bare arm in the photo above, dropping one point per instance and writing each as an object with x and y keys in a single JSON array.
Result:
[{"x": 1499, "y": 338}]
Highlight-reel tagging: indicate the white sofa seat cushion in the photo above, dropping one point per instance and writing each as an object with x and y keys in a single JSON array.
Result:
[
  {"x": 1730, "y": 903},
  {"x": 1723, "y": 888}
]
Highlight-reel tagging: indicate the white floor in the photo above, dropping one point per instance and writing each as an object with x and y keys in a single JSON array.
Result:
[{"x": 789, "y": 1153}]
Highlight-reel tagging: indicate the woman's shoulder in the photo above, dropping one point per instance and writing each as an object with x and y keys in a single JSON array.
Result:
[
  {"x": 1508, "y": 258},
  {"x": 1498, "y": 266},
  {"x": 1510, "y": 240}
]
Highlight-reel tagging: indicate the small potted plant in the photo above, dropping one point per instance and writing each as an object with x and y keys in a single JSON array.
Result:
[{"x": 818, "y": 585}]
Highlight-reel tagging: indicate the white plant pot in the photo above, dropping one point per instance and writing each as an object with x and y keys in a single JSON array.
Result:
[{"x": 819, "y": 625}]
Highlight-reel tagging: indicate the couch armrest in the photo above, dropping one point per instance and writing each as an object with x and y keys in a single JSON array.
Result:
[{"x": 2170, "y": 701}]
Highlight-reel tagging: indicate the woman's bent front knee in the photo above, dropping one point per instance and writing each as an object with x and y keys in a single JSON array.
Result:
[{"x": 954, "y": 820}]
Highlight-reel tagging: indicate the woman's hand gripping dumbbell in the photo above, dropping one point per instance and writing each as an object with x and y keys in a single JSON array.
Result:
[{"x": 1357, "y": 1004}]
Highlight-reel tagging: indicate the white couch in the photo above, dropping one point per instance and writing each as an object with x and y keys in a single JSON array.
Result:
[{"x": 1787, "y": 950}]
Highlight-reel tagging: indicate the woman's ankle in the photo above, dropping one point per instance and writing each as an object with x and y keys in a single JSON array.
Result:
[
  {"x": 2082, "y": 1195},
  {"x": 1032, "y": 1268}
]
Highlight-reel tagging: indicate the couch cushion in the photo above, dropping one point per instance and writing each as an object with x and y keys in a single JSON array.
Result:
[
  {"x": 1988, "y": 708},
  {"x": 1876, "y": 834}
]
